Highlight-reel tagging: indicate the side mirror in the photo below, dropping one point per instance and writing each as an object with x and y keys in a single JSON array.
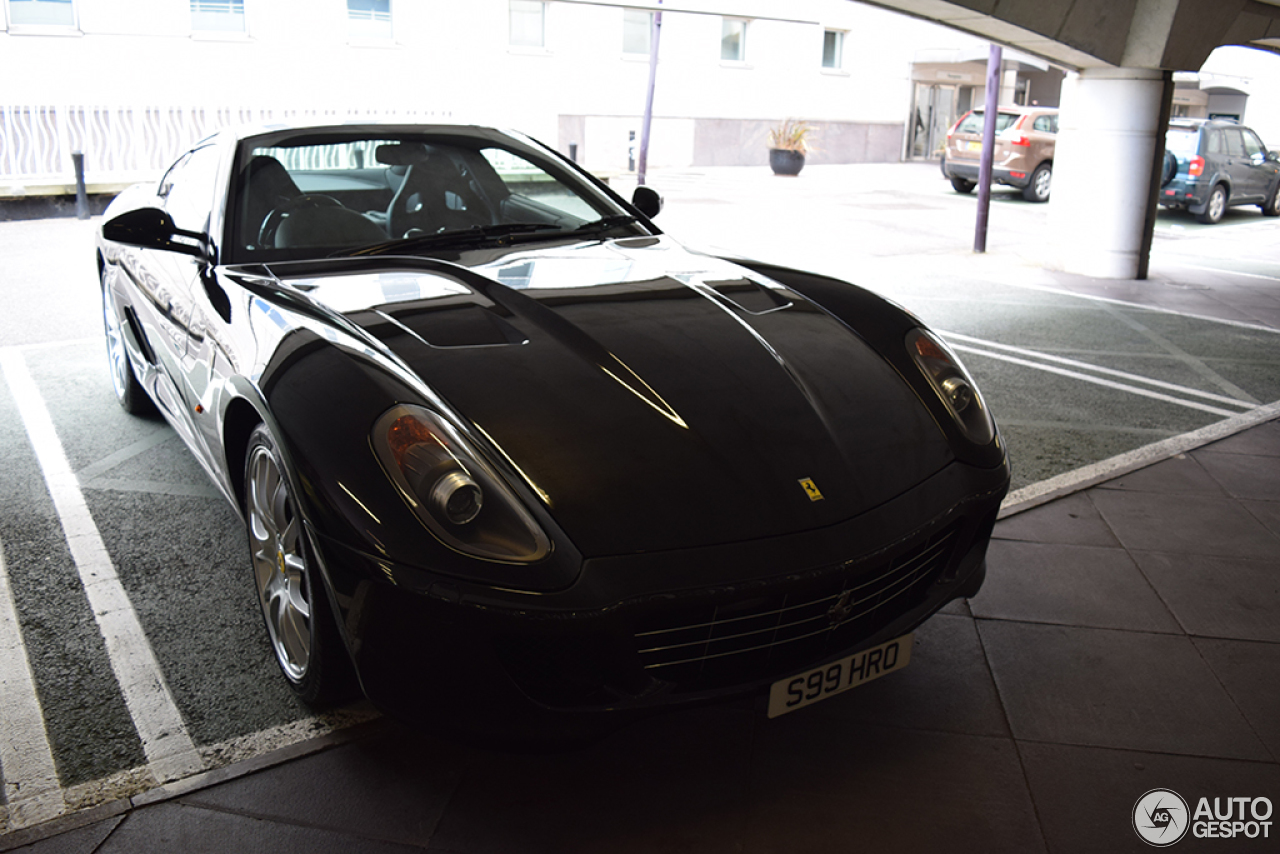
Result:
[
  {"x": 647, "y": 201},
  {"x": 152, "y": 228}
]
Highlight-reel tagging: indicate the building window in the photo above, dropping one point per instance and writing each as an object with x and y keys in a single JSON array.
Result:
[
  {"x": 369, "y": 19},
  {"x": 41, "y": 13},
  {"x": 733, "y": 40},
  {"x": 222, "y": 16},
  {"x": 832, "y": 49},
  {"x": 528, "y": 23},
  {"x": 637, "y": 29}
]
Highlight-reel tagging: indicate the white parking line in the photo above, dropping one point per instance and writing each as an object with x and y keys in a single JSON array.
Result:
[
  {"x": 1078, "y": 480},
  {"x": 31, "y": 786},
  {"x": 170, "y": 752},
  {"x": 1075, "y": 363},
  {"x": 1077, "y": 375},
  {"x": 1222, "y": 271},
  {"x": 1172, "y": 312}
]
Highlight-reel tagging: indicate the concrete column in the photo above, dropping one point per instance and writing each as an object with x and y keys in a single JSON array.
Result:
[{"x": 1107, "y": 136}]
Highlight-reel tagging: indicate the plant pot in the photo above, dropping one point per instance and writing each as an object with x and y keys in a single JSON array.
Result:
[{"x": 784, "y": 161}]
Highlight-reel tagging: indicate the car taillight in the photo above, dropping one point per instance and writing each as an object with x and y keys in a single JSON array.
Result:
[
  {"x": 1020, "y": 139},
  {"x": 1195, "y": 166}
]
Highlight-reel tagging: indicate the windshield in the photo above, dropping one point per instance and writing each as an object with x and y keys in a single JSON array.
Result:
[{"x": 319, "y": 194}]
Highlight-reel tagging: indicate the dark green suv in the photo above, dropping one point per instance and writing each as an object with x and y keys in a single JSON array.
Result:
[{"x": 1212, "y": 165}]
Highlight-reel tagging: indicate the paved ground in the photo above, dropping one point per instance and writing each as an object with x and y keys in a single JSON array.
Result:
[{"x": 1126, "y": 639}]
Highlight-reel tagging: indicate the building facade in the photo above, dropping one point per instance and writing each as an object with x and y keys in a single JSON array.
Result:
[{"x": 129, "y": 82}]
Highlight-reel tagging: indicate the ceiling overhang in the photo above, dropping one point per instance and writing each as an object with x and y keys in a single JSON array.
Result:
[{"x": 1176, "y": 35}]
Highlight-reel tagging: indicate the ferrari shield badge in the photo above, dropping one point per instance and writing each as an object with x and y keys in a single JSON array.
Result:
[{"x": 811, "y": 489}]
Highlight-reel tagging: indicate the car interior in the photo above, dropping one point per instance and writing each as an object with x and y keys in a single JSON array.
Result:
[{"x": 364, "y": 192}]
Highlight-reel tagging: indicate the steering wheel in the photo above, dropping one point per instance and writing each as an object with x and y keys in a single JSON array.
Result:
[{"x": 267, "y": 232}]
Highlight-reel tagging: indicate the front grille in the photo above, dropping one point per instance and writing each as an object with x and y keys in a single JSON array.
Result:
[{"x": 722, "y": 643}]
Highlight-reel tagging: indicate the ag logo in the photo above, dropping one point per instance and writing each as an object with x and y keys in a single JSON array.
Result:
[{"x": 1160, "y": 817}]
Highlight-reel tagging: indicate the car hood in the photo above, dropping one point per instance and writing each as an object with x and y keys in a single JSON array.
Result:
[{"x": 654, "y": 398}]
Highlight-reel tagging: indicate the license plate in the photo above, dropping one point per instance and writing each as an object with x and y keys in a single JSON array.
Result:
[
  {"x": 972, "y": 146},
  {"x": 804, "y": 689}
]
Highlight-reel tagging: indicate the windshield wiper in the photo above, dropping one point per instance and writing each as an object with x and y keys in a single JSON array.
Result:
[
  {"x": 606, "y": 223},
  {"x": 472, "y": 234}
]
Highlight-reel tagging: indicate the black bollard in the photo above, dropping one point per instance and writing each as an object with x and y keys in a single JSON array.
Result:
[{"x": 82, "y": 198}]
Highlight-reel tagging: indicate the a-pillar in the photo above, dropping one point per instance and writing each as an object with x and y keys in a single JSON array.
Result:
[{"x": 1102, "y": 208}]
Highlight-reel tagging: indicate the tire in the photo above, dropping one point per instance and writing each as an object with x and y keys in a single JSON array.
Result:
[
  {"x": 963, "y": 185},
  {"x": 1215, "y": 207},
  {"x": 295, "y": 607},
  {"x": 1168, "y": 169},
  {"x": 1271, "y": 207},
  {"x": 1041, "y": 180},
  {"x": 129, "y": 392}
]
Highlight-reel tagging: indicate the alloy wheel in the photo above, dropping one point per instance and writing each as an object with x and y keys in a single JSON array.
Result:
[
  {"x": 279, "y": 562},
  {"x": 1044, "y": 178},
  {"x": 117, "y": 358},
  {"x": 1217, "y": 204}
]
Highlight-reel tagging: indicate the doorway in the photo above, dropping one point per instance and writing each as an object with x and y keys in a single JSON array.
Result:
[{"x": 936, "y": 108}]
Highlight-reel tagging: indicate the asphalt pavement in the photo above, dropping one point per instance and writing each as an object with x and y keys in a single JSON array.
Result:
[{"x": 1127, "y": 639}]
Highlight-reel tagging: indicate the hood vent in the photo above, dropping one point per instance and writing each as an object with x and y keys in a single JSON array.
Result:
[
  {"x": 465, "y": 325},
  {"x": 750, "y": 296}
]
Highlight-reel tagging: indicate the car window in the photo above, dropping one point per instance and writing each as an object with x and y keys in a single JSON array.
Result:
[
  {"x": 1217, "y": 145},
  {"x": 1252, "y": 145},
  {"x": 305, "y": 196},
  {"x": 1182, "y": 140},
  {"x": 530, "y": 183},
  {"x": 973, "y": 122},
  {"x": 188, "y": 188},
  {"x": 1234, "y": 144},
  {"x": 1046, "y": 124}
]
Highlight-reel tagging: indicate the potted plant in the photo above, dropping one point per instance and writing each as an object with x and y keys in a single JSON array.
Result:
[{"x": 788, "y": 144}]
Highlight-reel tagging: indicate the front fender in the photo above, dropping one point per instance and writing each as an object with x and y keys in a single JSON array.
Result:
[{"x": 884, "y": 325}]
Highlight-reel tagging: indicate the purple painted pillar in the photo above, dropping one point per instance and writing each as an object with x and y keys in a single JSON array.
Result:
[{"x": 994, "y": 59}]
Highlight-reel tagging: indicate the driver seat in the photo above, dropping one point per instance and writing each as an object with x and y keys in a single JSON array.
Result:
[{"x": 264, "y": 186}]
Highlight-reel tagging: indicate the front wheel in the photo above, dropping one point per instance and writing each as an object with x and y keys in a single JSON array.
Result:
[
  {"x": 1038, "y": 188},
  {"x": 129, "y": 392},
  {"x": 1216, "y": 207},
  {"x": 962, "y": 185},
  {"x": 299, "y": 623},
  {"x": 1271, "y": 207}
]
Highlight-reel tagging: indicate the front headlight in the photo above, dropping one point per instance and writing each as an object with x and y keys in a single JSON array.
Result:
[
  {"x": 453, "y": 490},
  {"x": 953, "y": 385}
]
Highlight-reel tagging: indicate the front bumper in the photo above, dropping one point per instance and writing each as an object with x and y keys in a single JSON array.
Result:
[{"x": 638, "y": 633}]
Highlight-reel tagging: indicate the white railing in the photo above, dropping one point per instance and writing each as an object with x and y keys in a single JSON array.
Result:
[{"x": 124, "y": 144}]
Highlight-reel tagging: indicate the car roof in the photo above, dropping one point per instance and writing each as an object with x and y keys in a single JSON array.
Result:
[
  {"x": 1190, "y": 123},
  {"x": 240, "y": 132},
  {"x": 1017, "y": 108}
]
